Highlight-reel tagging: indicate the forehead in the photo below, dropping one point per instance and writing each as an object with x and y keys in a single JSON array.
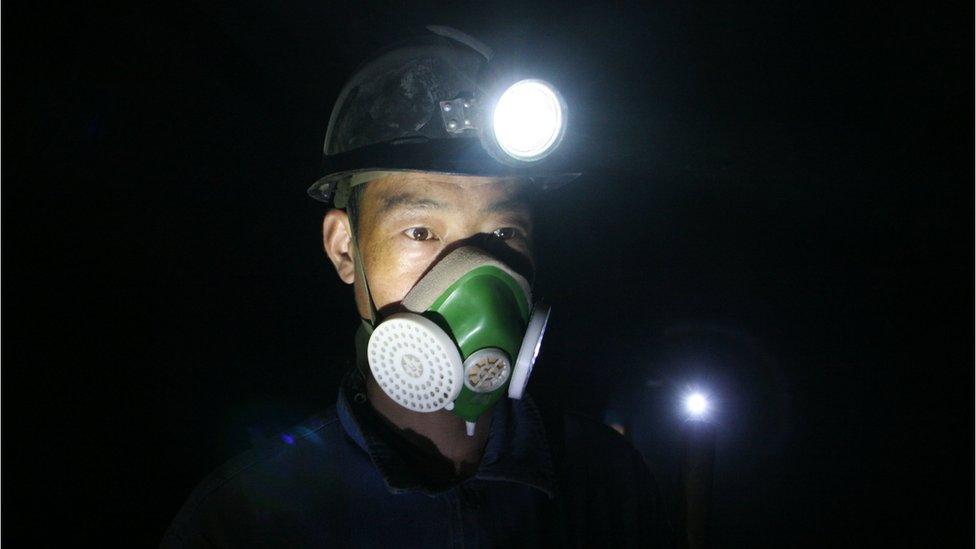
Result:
[{"x": 447, "y": 192}]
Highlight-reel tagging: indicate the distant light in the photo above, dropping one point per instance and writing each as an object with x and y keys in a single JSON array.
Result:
[{"x": 696, "y": 404}]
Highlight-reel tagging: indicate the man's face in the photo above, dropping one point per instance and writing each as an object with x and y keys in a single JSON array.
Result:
[{"x": 408, "y": 221}]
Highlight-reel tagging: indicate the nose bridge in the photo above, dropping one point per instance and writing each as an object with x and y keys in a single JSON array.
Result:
[
  {"x": 469, "y": 224},
  {"x": 494, "y": 247},
  {"x": 458, "y": 264}
]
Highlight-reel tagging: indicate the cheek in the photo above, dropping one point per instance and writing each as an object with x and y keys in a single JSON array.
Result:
[{"x": 396, "y": 269}]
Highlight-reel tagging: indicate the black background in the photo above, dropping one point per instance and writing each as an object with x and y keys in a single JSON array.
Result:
[{"x": 790, "y": 179}]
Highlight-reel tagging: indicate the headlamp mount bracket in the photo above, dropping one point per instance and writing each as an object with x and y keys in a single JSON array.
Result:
[{"x": 461, "y": 115}]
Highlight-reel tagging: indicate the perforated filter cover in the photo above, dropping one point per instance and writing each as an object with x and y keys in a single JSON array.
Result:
[{"x": 415, "y": 362}]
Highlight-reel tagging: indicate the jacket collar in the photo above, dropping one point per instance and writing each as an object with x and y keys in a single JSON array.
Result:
[{"x": 516, "y": 451}]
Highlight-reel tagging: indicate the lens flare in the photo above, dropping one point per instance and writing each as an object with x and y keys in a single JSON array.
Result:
[{"x": 528, "y": 120}]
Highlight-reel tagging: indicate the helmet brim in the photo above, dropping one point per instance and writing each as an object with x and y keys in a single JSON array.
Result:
[{"x": 460, "y": 156}]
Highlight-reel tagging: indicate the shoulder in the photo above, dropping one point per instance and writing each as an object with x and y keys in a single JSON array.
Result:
[
  {"x": 258, "y": 477},
  {"x": 589, "y": 444}
]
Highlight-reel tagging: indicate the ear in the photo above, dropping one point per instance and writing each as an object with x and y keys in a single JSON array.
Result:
[{"x": 337, "y": 238}]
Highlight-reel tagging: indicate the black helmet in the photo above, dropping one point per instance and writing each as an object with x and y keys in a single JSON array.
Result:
[{"x": 439, "y": 104}]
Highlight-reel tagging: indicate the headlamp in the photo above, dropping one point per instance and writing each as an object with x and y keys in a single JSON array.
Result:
[
  {"x": 696, "y": 405},
  {"x": 522, "y": 124},
  {"x": 492, "y": 122},
  {"x": 527, "y": 122}
]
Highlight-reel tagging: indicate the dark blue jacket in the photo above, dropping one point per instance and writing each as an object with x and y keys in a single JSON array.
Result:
[{"x": 344, "y": 478}]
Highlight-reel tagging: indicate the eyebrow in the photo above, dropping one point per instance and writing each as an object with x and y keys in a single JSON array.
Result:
[
  {"x": 510, "y": 204},
  {"x": 411, "y": 202}
]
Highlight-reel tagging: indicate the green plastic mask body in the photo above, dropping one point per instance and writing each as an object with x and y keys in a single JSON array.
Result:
[
  {"x": 456, "y": 345},
  {"x": 485, "y": 308}
]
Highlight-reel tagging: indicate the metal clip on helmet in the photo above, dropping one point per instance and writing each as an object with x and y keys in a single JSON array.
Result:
[{"x": 438, "y": 104}]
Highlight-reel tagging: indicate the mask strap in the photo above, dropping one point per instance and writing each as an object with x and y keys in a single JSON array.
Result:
[
  {"x": 358, "y": 262},
  {"x": 362, "y": 342}
]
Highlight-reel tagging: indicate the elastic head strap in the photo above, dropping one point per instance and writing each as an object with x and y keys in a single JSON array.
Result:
[
  {"x": 344, "y": 190},
  {"x": 345, "y": 185},
  {"x": 362, "y": 275},
  {"x": 362, "y": 344}
]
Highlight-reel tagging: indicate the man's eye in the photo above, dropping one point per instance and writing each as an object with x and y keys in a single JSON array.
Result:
[
  {"x": 419, "y": 233},
  {"x": 505, "y": 233}
]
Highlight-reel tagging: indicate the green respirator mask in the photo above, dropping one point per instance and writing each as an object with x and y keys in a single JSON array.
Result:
[{"x": 468, "y": 335}]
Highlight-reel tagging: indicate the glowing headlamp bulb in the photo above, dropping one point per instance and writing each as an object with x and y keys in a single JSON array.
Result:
[
  {"x": 528, "y": 120},
  {"x": 696, "y": 405}
]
